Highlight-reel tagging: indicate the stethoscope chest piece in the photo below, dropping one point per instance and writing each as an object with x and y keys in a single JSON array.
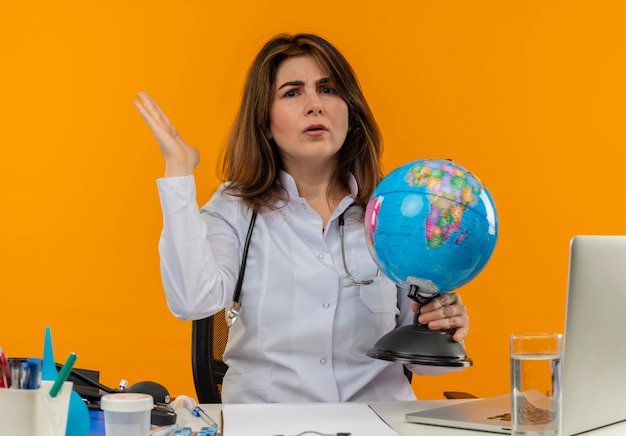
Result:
[{"x": 232, "y": 314}]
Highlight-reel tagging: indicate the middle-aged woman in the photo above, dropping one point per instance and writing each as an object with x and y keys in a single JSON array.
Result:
[{"x": 303, "y": 156}]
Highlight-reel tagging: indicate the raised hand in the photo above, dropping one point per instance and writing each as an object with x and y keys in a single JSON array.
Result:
[{"x": 180, "y": 158}]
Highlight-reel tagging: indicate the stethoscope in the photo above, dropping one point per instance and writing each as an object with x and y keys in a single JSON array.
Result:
[
  {"x": 354, "y": 280},
  {"x": 235, "y": 307}
]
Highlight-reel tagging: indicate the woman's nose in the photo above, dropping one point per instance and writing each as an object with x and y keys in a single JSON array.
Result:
[{"x": 314, "y": 105}]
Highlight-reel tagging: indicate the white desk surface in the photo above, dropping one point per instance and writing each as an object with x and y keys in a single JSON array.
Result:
[{"x": 393, "y": 413}]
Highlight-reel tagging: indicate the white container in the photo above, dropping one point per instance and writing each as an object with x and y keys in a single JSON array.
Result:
[
  {"x": 127, "y": 414},
  {"x": 34, "y": 412}
]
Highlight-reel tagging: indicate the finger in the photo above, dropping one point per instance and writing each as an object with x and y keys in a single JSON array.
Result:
[
  {"x": 459, "y": 328},
  {"x": 447, "y": 299},
  {"x": 148, "y": 118},
  {"x": 448, "y": 323},
  {"x": 441, "y": 300},
  {"x": 153, "y": 109},
  {"x": 146, "y": 101},
  {"x": 455, "y": 311},
  {"x": 151, "y": 106},
  {"x": 460, "y": 334},
  {"x": 155, "y": 118},
  {"x": 164, "y": 118},
  {"x": 142, "y": 111},
  {"x": 145, "y": 107},
  {"x": 160, "y": 118}
]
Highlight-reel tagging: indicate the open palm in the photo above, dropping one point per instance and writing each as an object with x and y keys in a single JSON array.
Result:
[{"x": 180, "y": 157}]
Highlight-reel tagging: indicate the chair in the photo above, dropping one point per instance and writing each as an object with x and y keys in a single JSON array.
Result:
[{"x": 208, "y": 340}]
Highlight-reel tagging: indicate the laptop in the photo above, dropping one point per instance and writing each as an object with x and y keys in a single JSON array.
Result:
[{"x": 594, "y": 360}]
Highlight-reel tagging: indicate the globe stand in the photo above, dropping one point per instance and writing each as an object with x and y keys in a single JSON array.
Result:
[{"x": 417, "y": 344}]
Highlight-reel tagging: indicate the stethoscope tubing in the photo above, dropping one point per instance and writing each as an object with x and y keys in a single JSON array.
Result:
[{"x": 235, "y": 307}]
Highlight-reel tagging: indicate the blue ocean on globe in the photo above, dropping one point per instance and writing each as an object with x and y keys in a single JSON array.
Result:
[{"x": 431, "y": 223}]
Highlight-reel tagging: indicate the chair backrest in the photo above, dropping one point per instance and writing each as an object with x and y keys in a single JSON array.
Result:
[{"x": 208, "y": 340}]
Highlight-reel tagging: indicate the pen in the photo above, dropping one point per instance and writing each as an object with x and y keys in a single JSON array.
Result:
[
  {"x": 5, "y": 375},
  {"x": 31, "y": 378},
  {"x": 63, "y": 374},
  {"x": 15, "y": 370}
]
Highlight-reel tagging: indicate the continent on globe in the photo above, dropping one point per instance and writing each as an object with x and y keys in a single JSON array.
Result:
[{"x": 454, "y": 189}]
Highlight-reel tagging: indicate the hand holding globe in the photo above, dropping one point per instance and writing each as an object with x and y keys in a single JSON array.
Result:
[{"x": 431, "y": 227}]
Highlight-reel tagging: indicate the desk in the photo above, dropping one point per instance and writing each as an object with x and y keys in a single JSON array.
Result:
[{"x": 393, "y": 413}]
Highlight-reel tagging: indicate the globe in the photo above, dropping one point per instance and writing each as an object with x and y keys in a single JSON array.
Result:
[{"x": 431, "y": 223}]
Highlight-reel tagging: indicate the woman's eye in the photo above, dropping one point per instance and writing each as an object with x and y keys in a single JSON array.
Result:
[
  {"x": 291, "y": 93},
  {"x": 327, "y": 90}
]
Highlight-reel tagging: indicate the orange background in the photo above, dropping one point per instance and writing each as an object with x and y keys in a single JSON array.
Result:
[{"x": 529, "y": 95}]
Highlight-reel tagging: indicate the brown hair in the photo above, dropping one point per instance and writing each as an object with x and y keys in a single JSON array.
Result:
[{"x": 251, "y": 162}]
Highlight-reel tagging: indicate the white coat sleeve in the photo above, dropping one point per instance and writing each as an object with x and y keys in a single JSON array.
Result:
[{"x": 198, "y": 251}]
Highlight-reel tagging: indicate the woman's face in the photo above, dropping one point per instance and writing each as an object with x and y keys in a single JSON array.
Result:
[{"x": 308, "y": 119}]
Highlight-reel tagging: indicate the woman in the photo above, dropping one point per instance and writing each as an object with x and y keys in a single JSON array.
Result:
[{"x": 304, "y": 151}]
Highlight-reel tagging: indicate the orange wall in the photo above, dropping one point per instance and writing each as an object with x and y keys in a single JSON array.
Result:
[{"x": 529, "y": 95}]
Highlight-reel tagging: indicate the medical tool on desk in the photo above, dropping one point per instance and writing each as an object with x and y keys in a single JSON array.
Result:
[
  {"x": 187, "y": 431},
  {"x": 198, "y": 412},
  {"x": 185, "y": 403}
]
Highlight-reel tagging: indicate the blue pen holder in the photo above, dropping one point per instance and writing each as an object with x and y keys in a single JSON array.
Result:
[{"x": 34, "y": 412}]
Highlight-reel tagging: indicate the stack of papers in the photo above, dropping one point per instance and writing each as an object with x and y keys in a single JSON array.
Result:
[{"x": 292, "y": 419}]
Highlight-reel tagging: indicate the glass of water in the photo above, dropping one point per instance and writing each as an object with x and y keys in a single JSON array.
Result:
[{"x": 536, "y": 383}]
